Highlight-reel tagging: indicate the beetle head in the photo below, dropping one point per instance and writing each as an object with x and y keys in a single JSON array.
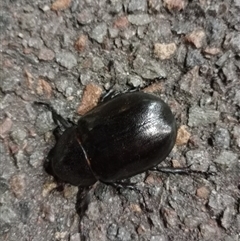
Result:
[{"x": 67, "y": 161}]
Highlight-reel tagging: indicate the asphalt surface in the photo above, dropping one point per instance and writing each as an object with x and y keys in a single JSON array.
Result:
[{"x": 189, "y": 54}]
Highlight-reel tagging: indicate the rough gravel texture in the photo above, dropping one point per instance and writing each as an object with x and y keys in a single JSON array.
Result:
[{"x": 52, "y": 55}]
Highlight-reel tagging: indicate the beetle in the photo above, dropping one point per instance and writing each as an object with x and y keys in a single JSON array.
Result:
[{"x": 120, "y": 138}]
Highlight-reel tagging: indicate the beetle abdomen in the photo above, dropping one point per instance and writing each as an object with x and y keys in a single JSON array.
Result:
[{"x": 127, "y": 135}]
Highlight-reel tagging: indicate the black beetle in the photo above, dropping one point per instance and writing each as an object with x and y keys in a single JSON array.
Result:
[{"x": 124, "y": 136}]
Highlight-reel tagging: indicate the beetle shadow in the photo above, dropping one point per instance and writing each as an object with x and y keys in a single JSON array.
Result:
[
  {"x": 85, "y": 193},
  {"x": 81, "y": 206},
  {"x": 83, "y": 199}
]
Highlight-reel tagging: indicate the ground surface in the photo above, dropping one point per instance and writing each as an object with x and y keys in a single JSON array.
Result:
[{"x": 191, "y": 49}]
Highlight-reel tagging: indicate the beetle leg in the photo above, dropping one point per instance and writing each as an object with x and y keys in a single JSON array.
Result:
[
  {"x": 172, "y": 170},
  {"x": 61, "y": 123},
  {"x": 113, "y": 93},
  {"x": 48, "y": 165},
  {"x": 57, "y": 132},
  {"x": 58, "y": 119},
  {"x": 120, "y": 185},
  {"x": 83, "y": 199},
  {"x": 180, "y": 170},
  {"x": 109, "y": 95}
]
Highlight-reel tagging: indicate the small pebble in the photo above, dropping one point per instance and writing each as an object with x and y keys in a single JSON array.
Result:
[
  {"x": 81, "y": 43},
  {"x": 196, "y": 37},
  {"x": 90, "y": 98},
  {"x": 191, "y": 82},
  {"x": 93, "y": 211},
  {"x": 135, "y": 81},
  {"x": 66, "y": 59},
  {"x": 99, "y": 32},
  {"x": 123, "y": 234},
  {"x": 20, "y": 35},
  {"x": 170, "y": 217},
  {"x": 75, "y": 237},
  {"x": 3, "y": 186},
  {"x": 59, "y": 5},
  {"x": 7, "y": 215},
  {"x": 46, "y": 54},
  {"x": 221, "y": 138},
  {"x": 18, "y": 135},
  {"x": 61, "y": 235},
  {"x": 141, "y": 229},
  {"x": 153, "y": 179},
  {"x": 121, "y": 22},
  {"x": 113, "y": 32},
  {"x": 48, "y": 213},
  {"x": 164, "y": 51},
  {"x": 219, "y": 201},
  {"x": 48, "y": 187},
  {"x": 212, "y": 51},
  {"x": 36, "y": 159},
  {"x": 85, "y": 17},
  {"x": 194, "y": 58},
  {"x": 18, "y": 185},
  {"x": 236, "y": 134},
  {"x": 5, "y": 127},
  {"x": 45, "y": 8},
  {"x": 159, "y": 238},
  {"x": 176, "y": 163},
  {"x": 112, "y": 231},
  {"x": 137, "y": 5},
  {"x": 202, "y": 116},
  {"x": 203, "y": 192},
  {"x": 227, "y": 158},
  {"x": 135, "y": 208},
  {"x": 210, "y": 231},
  {"x": 228, "y": 217},
  {"x": 183, "y": 136},
  {"x": 44, "y": 87},
  {"x": 155, "y": 87},
  {"x": 149, "y": 70},
  {"x": 175, "y": 4},
  {"x": 139, "y": 19},
  {"x": 70, "y": 191},
  {"x": 198, "y": 159}
]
